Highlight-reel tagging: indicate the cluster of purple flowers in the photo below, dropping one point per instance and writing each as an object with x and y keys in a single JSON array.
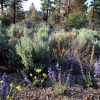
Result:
[
  {"x": 59, "y": 72},
  {"x": 97, "y": 70},
  {"x": 3, "y": 84},
  {"x": 70, "y": 60},
  {"x": 68, "y": 79},
  {"x": 51, "y": 73}
]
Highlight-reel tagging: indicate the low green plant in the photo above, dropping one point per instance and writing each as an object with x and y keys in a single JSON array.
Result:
[
  {"x": 7, "y": 95},
  {"x": 60, "y": 89},
  {"x": 87, "y": 74},
  {"x": 10, "y": 96},
  {"x": 57, "y": 80}
]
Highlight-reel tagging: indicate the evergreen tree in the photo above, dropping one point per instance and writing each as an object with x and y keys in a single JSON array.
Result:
[
  {"x": 95, "y": 8},
  {"x": 47, "y": 8},
  {"x": 13, "y": 12},
  {"x": 32, "y": 14},
  {"x": 66, "y": 7},
  {"x": 80, "y": 5},
  {"x": 3, "y": 3},
  {"x": 14, "y": 5},
  {"x": 94, "y": 13}
]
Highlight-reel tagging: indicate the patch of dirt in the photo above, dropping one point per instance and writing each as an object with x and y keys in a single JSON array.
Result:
[{"x": 30, "y": 92}]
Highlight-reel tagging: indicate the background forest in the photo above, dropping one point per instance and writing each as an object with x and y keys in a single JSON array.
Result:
[{"x": 69, "y": 13}]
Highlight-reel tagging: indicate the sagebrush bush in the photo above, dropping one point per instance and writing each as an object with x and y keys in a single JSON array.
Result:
[
  {"x": 42, "y": 34},
  {"x": 24, "y": 49},
  {"x": 12, "y": 55},
  {"x": 4, "y": 38},
  {"x": 19, "y": 30},
  {"x": 41, "y": 47},
  {"x": 86, "y": 36}
]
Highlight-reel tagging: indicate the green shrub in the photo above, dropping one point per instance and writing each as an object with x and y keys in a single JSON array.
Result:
[
  {"x": 58, "y": 42},
  {"x": 38, "y": 76},
  {"x": 12, "y": 56},
  {"x": 75, "y": 32},
  {"x": 76, "y": 20},
  {"x": 41, "y": 47},
  {"x": 19, "y": 30},
  {"x": 24, "y": 49},
  {"x": 6, "y": 19},
  {"x": 87, "y": 36},
  {"x": 4, "y": 38}
]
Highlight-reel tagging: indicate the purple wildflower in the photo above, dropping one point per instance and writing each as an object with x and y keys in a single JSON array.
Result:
[
  {"x": 3, "y": 84},
  {"x": 59, "y": 72},
  {"x": 51, "y": 73},
  {"x": 68, "y": 79},
  {"x": 57, "y": 65},
  {"x": 96, "y": 70},
  {"x": 59, "y": 78},
  {"x": 66, "y": 61},
  {"x": 73, "y": 60},
  {"x": 68, "y": 56},
  {"x": 4, "y": 77}
]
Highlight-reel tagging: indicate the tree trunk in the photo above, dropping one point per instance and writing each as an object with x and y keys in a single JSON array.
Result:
[
  {"x": 14, "y": 12},
  {"x": 47, "y": 16},
  {"x": 1, "y": 6},
  {"x": 47, "y": 11}
]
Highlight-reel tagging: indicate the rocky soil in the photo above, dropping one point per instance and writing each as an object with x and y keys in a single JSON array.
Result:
[{"x": 30, "y": 92}]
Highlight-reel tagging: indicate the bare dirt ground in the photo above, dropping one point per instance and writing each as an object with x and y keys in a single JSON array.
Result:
[{"x": 30, "y": 92}]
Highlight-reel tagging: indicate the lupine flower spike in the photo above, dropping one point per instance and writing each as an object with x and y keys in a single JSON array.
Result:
[
  {"x": 57, "y": 65},
  {"x": 3, "y": 84},
  {"x": 51, "y": 73},
  {"x": 68, "y": 79}
]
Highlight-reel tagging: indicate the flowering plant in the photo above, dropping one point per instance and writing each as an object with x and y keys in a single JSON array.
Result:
[
  {"x": 3, "y": 85},
  {"x": 39, "y": 77},
  {"x": 97, "y": 72},
  {"x": 57, "y": 79},
  {"x": 57, "y": 42}
]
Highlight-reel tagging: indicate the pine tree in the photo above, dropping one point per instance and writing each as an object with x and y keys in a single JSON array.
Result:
[
  {"x": 47, "y": 8},
  {"x": 32, "y": 14},
  {"x": 3, "y": 3},
  {"x": 14, "y": 4},
  {"x": 66, "y": 7},
  {"x": 94, "y": 13}
]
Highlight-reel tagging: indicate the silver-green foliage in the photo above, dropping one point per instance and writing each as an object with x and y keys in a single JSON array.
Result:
[
  {"x": 3, "y": 38},
  {"x": 87, "y": 36},
  {"x": 24, "y": 49},
  {"x": 40, "y": 45},
  {"x": 20, "y": 29},
  {"x": 12, "y": 56},
  {"x": 33, "y": 50}
]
